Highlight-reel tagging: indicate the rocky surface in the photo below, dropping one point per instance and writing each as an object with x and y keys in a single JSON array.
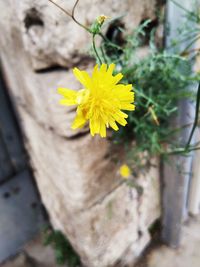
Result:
[
  {"x": 104, "y": 219},
  {"x": 51, "y": 38}
]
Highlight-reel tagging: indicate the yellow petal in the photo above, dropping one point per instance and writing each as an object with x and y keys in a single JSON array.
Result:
[
  {"x": 69, "y": 96},
  {"x": 94, "y": 126},
  {"x": 117, "y": 78},
  {"x": 111, "y": 68},
  {"x": 103, "y": 68},
  {"x": 102, "y": 129},
  {"x": 126, "y": 106},
  {"x": 79, "y": 120},
  {"x": 113, "y": 125},
  {"x": 122, "y": 88},
  {"x": 95, "y": 75},
  {"x": 66, "y": 102},
  {"x": 119, "y": 118},
  {"x": 122, "y": 114},
  {"x": 83, "y": 77},
  {"x": 82, "y": 96}
]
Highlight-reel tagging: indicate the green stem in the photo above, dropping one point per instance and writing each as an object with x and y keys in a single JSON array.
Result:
[
  {"x": 181, "y": 151},
  {"x": 145, "y": 97},
  {"x": 103, "y": 55},
  {"x": 94, "y": 48},
  {"x": 107, "y": 41},
  {"x": 196, "y": 117}
]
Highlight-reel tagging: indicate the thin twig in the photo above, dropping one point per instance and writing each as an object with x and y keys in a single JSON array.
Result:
[
  {"x": 196, "y": 117},
  {"x": 61, "y": 8},
  {"x": 71, "y": 15},
  {"x": 74, "y": 7}
]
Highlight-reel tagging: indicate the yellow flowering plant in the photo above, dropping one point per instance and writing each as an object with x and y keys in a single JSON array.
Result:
[
  {"x": 102, "y": 100},
  {"x": 106, "y": 99}
]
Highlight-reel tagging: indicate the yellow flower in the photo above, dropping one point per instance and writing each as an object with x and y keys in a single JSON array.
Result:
[
  {"x": 125, "y": 171},
  {"x": 101, "y": 100}
]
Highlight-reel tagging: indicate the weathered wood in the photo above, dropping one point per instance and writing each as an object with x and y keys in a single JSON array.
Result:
[{"x": 177, "y": 170}]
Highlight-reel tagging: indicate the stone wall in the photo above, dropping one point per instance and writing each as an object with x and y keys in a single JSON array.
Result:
[{"x": 106, "y": 221}]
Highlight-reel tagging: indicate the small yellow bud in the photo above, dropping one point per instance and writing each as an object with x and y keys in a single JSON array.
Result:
[
  {"x": 125, "y": 171},
  {"x": 101, "y": 19}
]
